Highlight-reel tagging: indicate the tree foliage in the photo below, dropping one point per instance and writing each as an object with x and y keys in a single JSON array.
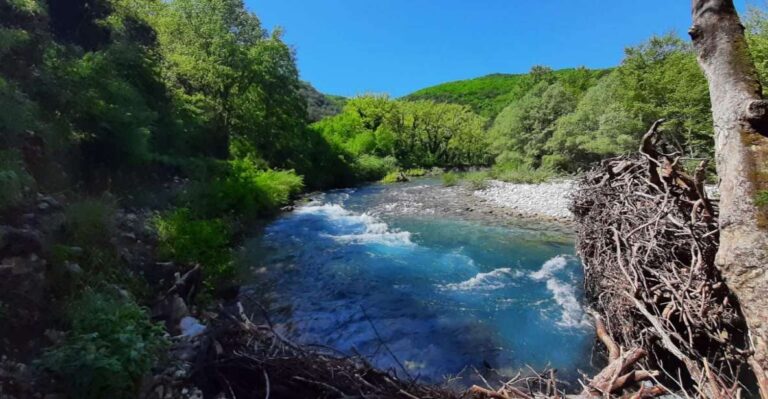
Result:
[
  {"x": 489, "y": 95},
  {"x": 568, "y": 124},
  {"x": 416, "y": 133}
]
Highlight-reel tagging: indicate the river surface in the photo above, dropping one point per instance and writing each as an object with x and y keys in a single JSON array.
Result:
[{"x": 439, "y": 293}]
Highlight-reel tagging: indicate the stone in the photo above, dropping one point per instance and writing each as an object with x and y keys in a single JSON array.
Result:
[
  {"x": 16, "y": 242},
  {"x": 73, "y": 267}
]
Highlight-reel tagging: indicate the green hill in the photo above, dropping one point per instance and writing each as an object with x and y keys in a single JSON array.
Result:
[
  {"x": 488, "y": 95},
  {"x": 321, "y": 105}
]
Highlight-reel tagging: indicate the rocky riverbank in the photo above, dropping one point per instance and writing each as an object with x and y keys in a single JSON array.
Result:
[
  {"x": 548, "y": 201},
  {"x": 497, "y": 203}
]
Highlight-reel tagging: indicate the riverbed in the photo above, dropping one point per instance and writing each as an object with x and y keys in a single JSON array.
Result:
[{"x": 426, "y": 284}]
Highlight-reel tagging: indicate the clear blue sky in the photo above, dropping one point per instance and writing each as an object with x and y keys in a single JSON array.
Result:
[{"x": 350, "y": 47}]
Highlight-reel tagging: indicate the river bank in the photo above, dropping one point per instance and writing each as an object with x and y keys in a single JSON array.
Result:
[{"x": 498, "y": 203}]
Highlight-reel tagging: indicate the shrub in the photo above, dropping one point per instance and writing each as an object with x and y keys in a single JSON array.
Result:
[
  {"x": 245, "y": 189},
  {"x": 278, "y": 186},
  {"x": 450, "y": 179},
  {"x": 111, "y": 345},
  {"x": 187, "y": 240},
  {"x": 477, "y": 180},
  {"x": 416, "y": 172},
  {"x": 89, "y": 223},
  {"x": 392, "y": 177},
  {"x": 522, "y": 174},
  {"x": 15, "y": 181},
  {"x": 19, "y": 112},
  {"x": 372, "y": 168}
]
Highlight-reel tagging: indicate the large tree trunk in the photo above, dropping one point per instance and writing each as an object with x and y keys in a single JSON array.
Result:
[{"x": 741, "y": 146}]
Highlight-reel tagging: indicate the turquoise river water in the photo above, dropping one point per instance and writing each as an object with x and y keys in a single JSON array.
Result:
[{"x": 442, "y": 294}]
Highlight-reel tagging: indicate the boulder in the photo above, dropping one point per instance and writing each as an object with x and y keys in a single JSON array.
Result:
[{"x": 17, "y": 242}]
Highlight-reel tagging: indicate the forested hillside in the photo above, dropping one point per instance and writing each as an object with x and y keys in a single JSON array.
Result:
[
  {"x": 565, "y": 120},
  {"x": 488, "y": 95}
]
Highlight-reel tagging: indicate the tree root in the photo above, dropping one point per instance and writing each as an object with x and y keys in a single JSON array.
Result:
[{"x": 648, "y": 236}]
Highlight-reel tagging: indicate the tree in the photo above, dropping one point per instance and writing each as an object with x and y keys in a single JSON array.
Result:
[
  {"x": 757, "y": 38},
  {"x": 741, "y": 147},
  {"x": 600, "y": 126},
  {"x": 205, "y": 46},
  {"x": 660, "y": 79},
  {"x": 524, "y": 127}
]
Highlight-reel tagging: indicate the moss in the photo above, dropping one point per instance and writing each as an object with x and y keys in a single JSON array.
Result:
[{"x": 761, "y": 199}]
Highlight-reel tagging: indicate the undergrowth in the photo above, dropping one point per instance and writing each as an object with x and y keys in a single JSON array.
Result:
[
  {"x": 15, "y": 181},
  {"x": 450, "y": 179},
  {"x": 111, "y": 345}
]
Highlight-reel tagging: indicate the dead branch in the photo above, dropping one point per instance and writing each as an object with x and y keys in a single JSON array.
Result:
[{"x": 648, "y": 235}]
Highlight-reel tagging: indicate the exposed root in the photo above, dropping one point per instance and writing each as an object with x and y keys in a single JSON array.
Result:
[{"x": 648, "y": 236}]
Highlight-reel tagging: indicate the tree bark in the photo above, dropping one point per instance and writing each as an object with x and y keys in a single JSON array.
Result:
[{"x": 741, "y": 123}]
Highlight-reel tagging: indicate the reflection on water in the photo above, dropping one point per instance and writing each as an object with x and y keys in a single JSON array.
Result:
[{"x": 442, "y": 294}]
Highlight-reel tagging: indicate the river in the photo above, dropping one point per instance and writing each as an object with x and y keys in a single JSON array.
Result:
[{"x": 420, "y": 291}]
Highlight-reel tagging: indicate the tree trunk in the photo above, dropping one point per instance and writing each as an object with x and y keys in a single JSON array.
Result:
[{"x": 741, "y": 146}]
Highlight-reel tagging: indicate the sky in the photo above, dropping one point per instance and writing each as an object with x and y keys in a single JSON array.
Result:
[{"x": 350, "y": 47}]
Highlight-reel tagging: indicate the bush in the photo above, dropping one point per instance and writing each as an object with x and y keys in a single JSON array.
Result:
[
  {"x": 450, "y": 179},
  {"x": 522, "y": 174},
  {"x": 247, "y": 190},
  {"x": 15, "y": 181},
  {"x": 372, "y": 168},
  {"x": 477, "y": 180},
  {"x": 187, "y": 240},
  {"x": 393, "y": 177},
  {"x": 417, "y": 172},
  {"x": 111, "y": 345},
  {"x": 89, "y": 223}
]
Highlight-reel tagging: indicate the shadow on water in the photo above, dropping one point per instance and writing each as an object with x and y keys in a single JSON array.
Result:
[{"x": 441, "y": 293}]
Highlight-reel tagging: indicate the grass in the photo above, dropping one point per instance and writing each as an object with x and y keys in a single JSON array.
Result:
[
  {"x": 450, "y": 179},
  {"x": 395, "y": 176},
  {"x": 761, "y": 199},
  {"x": 476, "y": 180},
  {"x": 391, "y": 177},
  {"x": 416, "y": 172}
]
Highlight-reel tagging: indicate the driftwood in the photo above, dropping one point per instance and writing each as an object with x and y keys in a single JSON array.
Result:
[
  {"x": 240, "y": 359},
  {"x": 648, "y": 236},
  {"x": 621, "y": 374}
]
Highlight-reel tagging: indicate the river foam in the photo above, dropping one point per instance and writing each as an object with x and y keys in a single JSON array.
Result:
[
  {"x": 493, "y": 280},
  {"x": 563, "y": 293},
  {"x": 357, "y": 228}
]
